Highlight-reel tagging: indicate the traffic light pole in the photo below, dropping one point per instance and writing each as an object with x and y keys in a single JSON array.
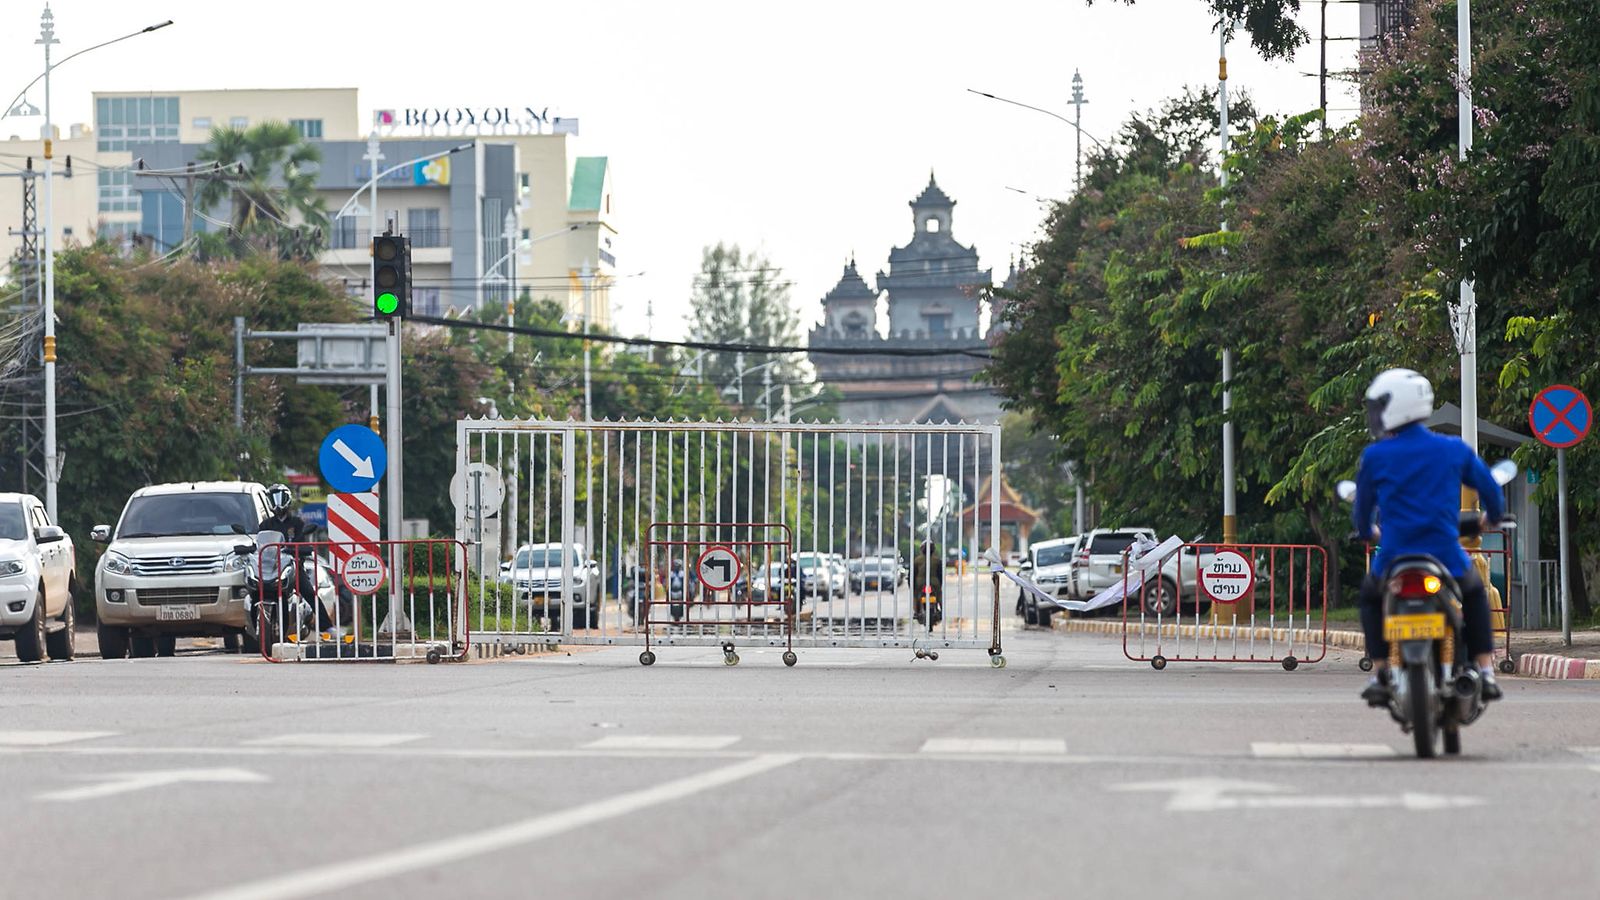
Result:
[{"x": 396, "y": 622}]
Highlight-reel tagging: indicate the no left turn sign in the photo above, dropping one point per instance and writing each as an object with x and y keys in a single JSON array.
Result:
[
  {"x": 364, "y": 573},
  {"x": 718, "y": 568},
  {"x": 1228, "y": 577}
]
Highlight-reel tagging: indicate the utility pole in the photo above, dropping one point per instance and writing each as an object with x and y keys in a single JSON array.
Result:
[
  {"x": 510, "y": 232},
  {"x": 1322, "y": 72},
  {"x": 52, "y": 469},
  {"x": 766, "y": 393},
  {"x": 1464, "y": 314},
  {"x": 588, "y": 303},
  {"x": 1229, "y": 509},
  {"x": 1077, "y": 127},
  {"x": 191, "y": 178}
]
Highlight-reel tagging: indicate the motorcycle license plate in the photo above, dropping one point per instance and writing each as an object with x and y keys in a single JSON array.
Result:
[
  {"x": 181, "y": 612},
  {"x": 1416, "y": 627}
]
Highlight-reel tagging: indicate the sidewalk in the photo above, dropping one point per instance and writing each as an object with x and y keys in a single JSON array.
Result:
[{"x": 1542, "y": 654}]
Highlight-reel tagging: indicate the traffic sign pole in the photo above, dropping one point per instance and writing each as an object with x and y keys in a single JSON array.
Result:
[{"x": 1560, "y": 417}]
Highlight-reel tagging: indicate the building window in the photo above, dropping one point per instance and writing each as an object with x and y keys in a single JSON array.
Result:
[
  {"x": 938, "y": 326},
  {"x": 933, "y": 226},
  {"x": 425, "y": 301},
  {"x": 115, "y": 191},
  {"x": 121, "y": 121},
  {"x": 202, "y": 123},
  {"x": 522, "y": 182},
  {"x": 240, "y": 122},
  {"x": 310, "y": 129},
  {"x": 422, "y": 226},
  {"x": 344, "y": 233}
]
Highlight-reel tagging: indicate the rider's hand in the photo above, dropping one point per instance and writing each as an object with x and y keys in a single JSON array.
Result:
[{"x": 1377, "y": 535}]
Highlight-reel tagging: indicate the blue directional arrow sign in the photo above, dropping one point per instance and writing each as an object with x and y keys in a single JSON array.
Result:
[{"x": 352, "y": 459}]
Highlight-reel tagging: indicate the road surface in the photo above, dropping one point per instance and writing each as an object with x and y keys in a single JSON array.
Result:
[{"x": 1072, "y": 772}]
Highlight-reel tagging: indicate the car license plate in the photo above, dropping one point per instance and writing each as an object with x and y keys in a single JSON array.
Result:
[
  {"x": 178, "y": 612},
  {"x": 1416, "y": 627}
]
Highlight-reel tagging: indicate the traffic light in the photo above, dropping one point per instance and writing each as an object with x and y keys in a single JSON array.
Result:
[{"x": 391, "y": 276}]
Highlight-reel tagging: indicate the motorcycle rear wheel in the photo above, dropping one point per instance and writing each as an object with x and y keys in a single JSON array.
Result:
[{"x": 1420, "y": 699}]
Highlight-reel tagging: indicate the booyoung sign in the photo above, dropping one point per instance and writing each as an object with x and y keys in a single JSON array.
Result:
[{"x": 473, "y": 120}]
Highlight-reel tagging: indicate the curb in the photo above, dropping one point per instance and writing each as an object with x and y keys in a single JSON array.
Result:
[
  {"x": 1350, "y": 640},
  {"x": 1549, "y": 665}
]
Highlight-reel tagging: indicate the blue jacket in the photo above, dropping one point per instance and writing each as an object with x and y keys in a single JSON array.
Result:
[{"x": 1415, "y": 478}]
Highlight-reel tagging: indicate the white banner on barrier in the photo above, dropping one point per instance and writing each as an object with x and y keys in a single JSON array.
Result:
[{"x": 1143, "y": 557}]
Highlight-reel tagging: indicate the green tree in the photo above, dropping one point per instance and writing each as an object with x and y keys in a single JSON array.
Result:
[
  {"x": 272, "y": 204},
  {"x": 740, "y": 297}
]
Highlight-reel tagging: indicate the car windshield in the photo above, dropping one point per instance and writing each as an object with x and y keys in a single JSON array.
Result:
[
  {"x": 542, "y": 558},
  {"x": 1113, "y": 544},
  {"x": 871, "y": 566},
  {"x": 168, "y": 515},
  {"x": 12, "y": 525},
  {"x": 1052, "y": 556}
]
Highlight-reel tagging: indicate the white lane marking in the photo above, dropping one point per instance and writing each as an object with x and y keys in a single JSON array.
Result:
[
  {"x": 1212, "y": 795},
  {"x": 333, "y": 739},
  {"x": 48, "y": 738},
  {"x": 1585, "y": 751},
  {"x": 1269, "y": 750},
  {"x": 1025, "y": 746},
  {"x": 381, "y": 866},
  {"x": 664, "y": 742},
  {"x": 125, "y": 782}
]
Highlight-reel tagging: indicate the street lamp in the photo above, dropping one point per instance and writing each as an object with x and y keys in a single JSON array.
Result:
[
  {"x": 1077, "y": 126},
  {"x": 47, "y": 37}
]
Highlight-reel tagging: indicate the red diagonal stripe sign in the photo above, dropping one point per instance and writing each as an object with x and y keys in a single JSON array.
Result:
[{"x": 353, "y": 524}]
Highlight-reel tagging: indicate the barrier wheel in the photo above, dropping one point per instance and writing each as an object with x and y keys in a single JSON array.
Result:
[
  {"x": 1290, "y": 664},
  {"x": 934, "y": 654},
  {"x": 1508, "y": 666},
  {"x": 994, "y": 651},
  {"x": 647, "y": 658},
  {"x": 998, "y": 661},
  {"x": 1365, "y": 664},
  {"x": 789, "y": 659},
  {"x": 434, "y": 656},
  {"x": 1158, "y": 662},
  {"x": 730, "y": 659}
]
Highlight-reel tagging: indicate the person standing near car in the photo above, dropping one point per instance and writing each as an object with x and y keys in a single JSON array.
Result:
[{"x": 927, "y": 579}]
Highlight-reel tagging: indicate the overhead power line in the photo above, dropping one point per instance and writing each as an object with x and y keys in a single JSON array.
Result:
[{"x": 976, "y": 351}]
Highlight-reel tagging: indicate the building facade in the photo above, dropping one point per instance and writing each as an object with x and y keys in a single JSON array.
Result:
[
  {"x": 561, "y": 203},
  {"x": 933, "y": 291}
]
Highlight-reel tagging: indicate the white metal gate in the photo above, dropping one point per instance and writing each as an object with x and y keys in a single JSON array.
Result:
[{"x": 589, "y": 533}]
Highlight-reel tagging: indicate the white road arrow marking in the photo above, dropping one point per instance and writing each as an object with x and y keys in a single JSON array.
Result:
[
  {"x": 362, "y": 464},
  {"x": 124, "y": 782},
  {"x": 1210, "y": 795}
]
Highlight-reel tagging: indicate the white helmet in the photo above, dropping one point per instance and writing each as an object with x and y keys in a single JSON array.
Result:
[{"x": 1397, "y": 398}]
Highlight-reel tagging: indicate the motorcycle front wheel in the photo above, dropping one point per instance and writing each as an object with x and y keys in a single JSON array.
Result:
[{"x": 1420, "y": 697}]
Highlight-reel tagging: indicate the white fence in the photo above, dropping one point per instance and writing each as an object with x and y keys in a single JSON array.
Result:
[{"x": 591, "y": 533}]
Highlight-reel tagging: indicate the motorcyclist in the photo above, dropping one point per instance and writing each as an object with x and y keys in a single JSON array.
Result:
[
  {"x": 282, "y": 519},
  {"x": 927, "y": 572},
  {"x": 1414, "y": 477}
]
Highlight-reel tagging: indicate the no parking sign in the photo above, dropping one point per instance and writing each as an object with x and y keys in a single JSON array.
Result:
[{"x": 1560, "y": 416}]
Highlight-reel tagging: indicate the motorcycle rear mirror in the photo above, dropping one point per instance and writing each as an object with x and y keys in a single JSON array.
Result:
[
  {"x": 244, "y": 549},
  {"x": 1503, "y": 471},
  {"x": 1346, "y": 490}
]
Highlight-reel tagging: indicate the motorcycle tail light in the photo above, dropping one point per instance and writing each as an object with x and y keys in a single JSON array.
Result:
[{"x": 1416, "y": 584}]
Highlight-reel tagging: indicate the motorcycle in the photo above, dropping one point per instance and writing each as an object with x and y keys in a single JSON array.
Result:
[
  {"x": 929, "y": 609},
  {"x": 1436, "y": 690},
  {"x": 275, "y": 608}
]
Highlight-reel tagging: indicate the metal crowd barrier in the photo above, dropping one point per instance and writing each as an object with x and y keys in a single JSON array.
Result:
[
  {"x": 362, "y": 611},
  {"x": 1282, "y": 617}
]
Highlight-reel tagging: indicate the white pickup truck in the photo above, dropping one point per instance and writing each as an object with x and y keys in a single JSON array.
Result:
[{"x": 37, "y": 581}]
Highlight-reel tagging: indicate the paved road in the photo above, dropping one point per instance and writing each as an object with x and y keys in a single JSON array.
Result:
[{"x": 1072, "y": 772}]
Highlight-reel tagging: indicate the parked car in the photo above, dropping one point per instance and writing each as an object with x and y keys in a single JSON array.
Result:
[
  {"x": 873, "y": 573},
  {"x": 819, "y": 576},
  {"x": 1177, "y": 588},
  {"x": 1098, "y": 560},
  {"x": 1049, "y": 566},
  {"x": 170, "y": 569},
  {"x": 37, "y": 580},
  {"x": 536, "y": 572}
]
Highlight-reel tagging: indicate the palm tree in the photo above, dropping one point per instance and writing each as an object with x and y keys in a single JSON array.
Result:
[{"x": 277, "y": 185}]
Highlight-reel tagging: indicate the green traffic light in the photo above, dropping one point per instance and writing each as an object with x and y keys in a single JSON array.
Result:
[{"x": 388, "y": 303}]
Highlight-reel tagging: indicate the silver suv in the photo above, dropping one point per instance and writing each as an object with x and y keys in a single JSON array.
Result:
[
  {"x": 1098, "y": 562},
  {"x": 170, "y": 569},
  {"x": 1049, "y": 566}
]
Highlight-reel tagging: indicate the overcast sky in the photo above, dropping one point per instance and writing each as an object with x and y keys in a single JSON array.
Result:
[{"x": 799, "y": 129}]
